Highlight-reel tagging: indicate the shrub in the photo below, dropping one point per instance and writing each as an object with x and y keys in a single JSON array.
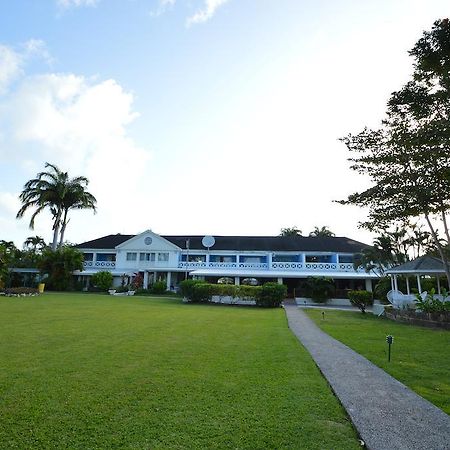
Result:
[
  {"x": 201, "y": 293},
  {"x": 142, "y": 291},
  {"x": 319, "y": 289},
  {"x": 122, "y": 289},
  {"x": 270, "y": 295},
  {"x": 360, "y": 299},
  {"x": 430, "y": 304},
  {"x": 186, "y": 288},
  {"x": 159, "y": 287},
  {"x": 103, "y": 280},
  {"x": 138, "y": 282}
]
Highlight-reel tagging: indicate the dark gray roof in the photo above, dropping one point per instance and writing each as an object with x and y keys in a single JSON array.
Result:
[
  {"x": 422, "y": 265},
  {"x": 110, "y": 241},
  {"x": 246, "y": 243}
]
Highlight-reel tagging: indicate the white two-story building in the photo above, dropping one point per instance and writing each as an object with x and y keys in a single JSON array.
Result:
[{"x": 289, "y": 260}]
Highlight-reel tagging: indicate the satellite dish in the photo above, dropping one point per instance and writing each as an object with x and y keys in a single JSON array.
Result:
[{"x": 208, "y": 241}]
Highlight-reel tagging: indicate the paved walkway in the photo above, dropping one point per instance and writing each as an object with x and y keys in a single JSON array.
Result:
[{"x": 387, "y": 414}]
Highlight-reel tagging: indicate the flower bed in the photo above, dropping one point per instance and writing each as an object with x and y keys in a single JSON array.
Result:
[{"x": 21, "y": 292}]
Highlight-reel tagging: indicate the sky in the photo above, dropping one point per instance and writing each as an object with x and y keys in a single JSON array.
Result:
[{"x": 218, "y": 117}]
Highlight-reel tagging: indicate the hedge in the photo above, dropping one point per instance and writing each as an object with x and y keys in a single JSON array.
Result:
[{"x": 267, "y": 295}]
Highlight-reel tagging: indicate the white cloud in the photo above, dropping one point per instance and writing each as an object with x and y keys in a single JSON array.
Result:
[
  {"x": 207, "y": 12},
  {"x": 10, "y": 67},
  {"x": 79, "y": 124},
  {"x": 76, "y": 3}
]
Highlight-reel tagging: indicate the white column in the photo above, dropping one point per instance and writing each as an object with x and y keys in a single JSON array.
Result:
[
  {"x": 145, "y": 279},
  {"x": 207, "y": 259},
  {"x": 269, "y": 261},
  {"x": 419, "y": 286},
  {"x": 368, "y": 285},
  {"x": 438, "y": 284},
  {"x": 280, "y": 280},
  {"x": 395, "y": 283},
  {"x": 392, "y": 282},
  {"x": 169, "y": 280},
  {"x": 408, "y": 291},
  {"x": 237, "y": 281},
  {"x": 237, "y": 260}
]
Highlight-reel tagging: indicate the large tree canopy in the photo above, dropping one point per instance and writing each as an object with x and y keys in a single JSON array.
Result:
[
  {"x": 56, "y": 191},
  {"x": 408, "y": 158}
]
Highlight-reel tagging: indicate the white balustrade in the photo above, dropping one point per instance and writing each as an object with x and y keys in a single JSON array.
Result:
[{"x": 100, "y": 264}]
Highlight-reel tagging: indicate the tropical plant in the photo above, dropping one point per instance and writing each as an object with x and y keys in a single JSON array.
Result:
[
  {"x": 361, "y": 299},
  {"x": 34, "y": 244},
  {"x": 431, "y": 304},
  {"x": 103, "y": 280},
  {"x": 321, "y": 232},
  {"x": 271, "y": 295},
  {"x": 54, "y": 190},
  {"x": 381, "y": 256},
  {"x": 290, "y": 231},
  {"x": 319, "y": 289},
  {"x": 58, "y": 267}
]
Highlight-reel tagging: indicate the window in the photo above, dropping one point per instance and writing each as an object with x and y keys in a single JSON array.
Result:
[
  {"x": 88, "y": 256},
  {"x": 146, "y": 256},
  {"x": 285, "y": 258},
  {"x": 131, "y": 256},
  {"x": 163, "y": 257},
  {"x": 106, "y": 256},
  {"x": 346, "y": 258}
]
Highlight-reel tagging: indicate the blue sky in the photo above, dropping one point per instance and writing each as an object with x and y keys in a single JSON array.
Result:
[{"x": 198, "y": 116}]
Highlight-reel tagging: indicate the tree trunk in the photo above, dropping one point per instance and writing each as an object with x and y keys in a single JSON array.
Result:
[
  {"x": 56, "y": 225},
  {"x": 63, "y": 228},
  {"x": 440, "y": 249}
]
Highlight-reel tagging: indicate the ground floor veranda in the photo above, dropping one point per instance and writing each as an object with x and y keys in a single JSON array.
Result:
[{"x": 343, "y": 281}]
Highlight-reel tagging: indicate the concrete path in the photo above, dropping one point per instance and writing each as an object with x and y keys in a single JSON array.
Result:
[{"x": 387, "y": 414}]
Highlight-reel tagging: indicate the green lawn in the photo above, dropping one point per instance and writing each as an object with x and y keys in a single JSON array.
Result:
[
  {"x": 93, "y": 371},
  {"x": 420, "y": 356}
]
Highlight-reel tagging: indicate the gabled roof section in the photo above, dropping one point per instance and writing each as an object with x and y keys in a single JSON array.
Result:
[
  {"x": 423, "y": 265},
  {"x": 106, "y": 242},
  {"x": 154, "y": 236}
]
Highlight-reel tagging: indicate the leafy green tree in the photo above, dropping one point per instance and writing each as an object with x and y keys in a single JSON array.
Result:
[
  {"x": 408, "y": 158},
  {"x": 59, "y": 265},
  {"x": 8, "y": 254},
  {"x": 290, "y": 231},
  {"x": 103, "y": 280},
  {"x": 54, "y": 190},
  {"x": 321, "y": 232}
]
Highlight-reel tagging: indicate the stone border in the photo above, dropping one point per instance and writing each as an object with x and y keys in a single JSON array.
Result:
[{"x": 419, "y": 320}]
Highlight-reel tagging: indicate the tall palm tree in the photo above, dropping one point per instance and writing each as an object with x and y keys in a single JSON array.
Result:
[
  {"x": 321, "y": 232},
  {"x": 54, "y": 190}
]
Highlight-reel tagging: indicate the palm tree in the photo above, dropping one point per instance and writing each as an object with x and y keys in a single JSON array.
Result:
[
  {"x": 290, "y": 231},
  {"x": 54, "y": 190},
  {"x": 321, "y": 232},
  {"x": 34, "y": 243}
]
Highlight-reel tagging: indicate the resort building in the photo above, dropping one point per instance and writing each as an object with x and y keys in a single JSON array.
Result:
[{"x": 289, "y": 260}]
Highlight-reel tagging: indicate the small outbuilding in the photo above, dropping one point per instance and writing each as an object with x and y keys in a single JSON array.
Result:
[{"x": 423, "y": 266}]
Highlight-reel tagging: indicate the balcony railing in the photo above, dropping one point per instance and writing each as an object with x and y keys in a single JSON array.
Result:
[
  {"x": 100, "y": 264},
  {"x": 308, "y": 267}
]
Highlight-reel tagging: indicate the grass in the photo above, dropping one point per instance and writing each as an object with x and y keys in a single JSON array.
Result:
[
  {"x": 93, "y": 371},
  {"x": 420, "y": 356}
]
